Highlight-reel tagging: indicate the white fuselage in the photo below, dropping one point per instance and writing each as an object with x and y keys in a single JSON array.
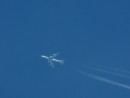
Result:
[{"x": 51, "y": 59}]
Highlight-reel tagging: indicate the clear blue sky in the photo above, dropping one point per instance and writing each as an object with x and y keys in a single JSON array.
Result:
[{"x": 86, "y": 32}]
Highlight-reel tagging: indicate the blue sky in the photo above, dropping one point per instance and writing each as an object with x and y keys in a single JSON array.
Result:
[{"x": 85, "y": 32}]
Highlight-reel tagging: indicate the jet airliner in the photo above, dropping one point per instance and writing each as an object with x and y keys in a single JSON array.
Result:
[{"x": 52, "y": 59}]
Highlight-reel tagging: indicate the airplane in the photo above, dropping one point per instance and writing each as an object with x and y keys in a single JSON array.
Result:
[{"x": 52, "y": 59}]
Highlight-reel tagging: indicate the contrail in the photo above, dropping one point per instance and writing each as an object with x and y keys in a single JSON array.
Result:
[
  {"x": 105, "y": 80},
  {"x": 110, "y": 72},
  {"x": 115, "y": 69}
]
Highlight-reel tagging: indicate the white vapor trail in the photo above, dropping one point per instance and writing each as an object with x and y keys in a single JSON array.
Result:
[
  {"x": 105, "y": 80},
  {"x": 110, "y": 72},
  {"x": 116, "y": 69}
]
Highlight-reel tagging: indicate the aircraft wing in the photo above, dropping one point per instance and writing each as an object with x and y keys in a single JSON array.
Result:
[
  {"x": 51, "y": 63},
  {"x": 59, "y": 61},
  {"x": 55, "y": 60},
  {"x": 54, "y": 55},
  {"x": 45, "y": 57}
]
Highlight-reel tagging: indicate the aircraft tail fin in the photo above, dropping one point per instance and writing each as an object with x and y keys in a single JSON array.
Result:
[{"x": 62, "y": 62}]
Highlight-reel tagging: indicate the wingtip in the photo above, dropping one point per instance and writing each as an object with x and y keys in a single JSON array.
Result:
[{"x": 41, "y": 56}]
